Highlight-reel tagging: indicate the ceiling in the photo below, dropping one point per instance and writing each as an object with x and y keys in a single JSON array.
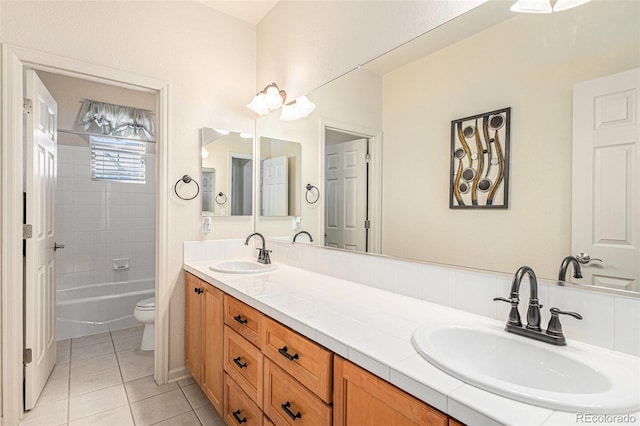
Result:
[{"x": 251, "y": 11}]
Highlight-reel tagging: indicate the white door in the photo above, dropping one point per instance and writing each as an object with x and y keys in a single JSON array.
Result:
[
  {"x": 40, "y": 281},
  {"x": 606, "y": 179},
  {"x": 346, "y": 195},
  {"x": 275, "y": 187}
]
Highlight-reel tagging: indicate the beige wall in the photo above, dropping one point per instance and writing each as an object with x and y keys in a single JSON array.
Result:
[
  {"x": 304, "y": 44},
  {"x": 525, "y": 63},
  {"x": 209, "y": 60}
]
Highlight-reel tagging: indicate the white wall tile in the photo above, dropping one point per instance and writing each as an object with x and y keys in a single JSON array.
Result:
[
  {"x": 382, "y": 273},
  {"x": 627, "y": 325},
  {"x": 596, "y": 327},
  {"x": 407, "y": 279},
  {"x": 438, "y": 285},
  {"x": 475, "y": 293}
]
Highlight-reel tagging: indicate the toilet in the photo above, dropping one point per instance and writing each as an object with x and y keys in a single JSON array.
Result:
[{"x": 145, "y": 313}]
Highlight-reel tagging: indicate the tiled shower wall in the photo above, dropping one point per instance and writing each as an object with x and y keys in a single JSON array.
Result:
[{"x": 102, "y": 221}]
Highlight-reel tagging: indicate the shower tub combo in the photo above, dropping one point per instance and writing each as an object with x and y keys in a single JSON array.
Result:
[{"x": 95, "y": 308}]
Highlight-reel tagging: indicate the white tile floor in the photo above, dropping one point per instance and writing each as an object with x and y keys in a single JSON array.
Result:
[{"x": 104, "y": 379}]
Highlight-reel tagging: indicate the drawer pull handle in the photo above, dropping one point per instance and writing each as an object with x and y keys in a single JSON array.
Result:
[
  {"x": 238, "y": 363},
  {"x": 285, "y": 408},
  {"x": 236, "y": 415},
  {"x": 283, "y": 352},
  {"x": 239, "y": 319}
]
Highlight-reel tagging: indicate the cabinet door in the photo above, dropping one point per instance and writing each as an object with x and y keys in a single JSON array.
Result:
[
  {"x": 212, "y": 349},
  {"x": 360, "y": 398},
  {"x": 239, "y": 409},
  {"x": 193, "y": 325}
]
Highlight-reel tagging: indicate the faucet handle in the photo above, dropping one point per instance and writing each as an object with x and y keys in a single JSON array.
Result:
[
  {"x": 514, "y": 315},
  {"x": 504, "y": 299},
  {"x": 555, "y": 328}
]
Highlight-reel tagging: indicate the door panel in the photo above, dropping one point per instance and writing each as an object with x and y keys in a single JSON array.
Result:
[
  {"x": 40, "y": 284},
  {"x": 606, "y": 189}
]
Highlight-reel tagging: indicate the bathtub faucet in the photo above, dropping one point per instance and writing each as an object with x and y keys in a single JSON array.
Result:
[{"x": 263, "y": 253}]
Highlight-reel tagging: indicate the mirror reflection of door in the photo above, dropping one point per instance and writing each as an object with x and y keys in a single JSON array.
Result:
[
  {"x": 346, "y": 199},
  {"x": 275, "y": 186},
  {"x": 241, "y": 184},
  {"x": 208, "y": 189}
]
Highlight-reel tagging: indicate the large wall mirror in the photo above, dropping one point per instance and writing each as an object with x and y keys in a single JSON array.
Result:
[
  {"x": 403, "y": 104},
  {"x": 227, "y": 173}
]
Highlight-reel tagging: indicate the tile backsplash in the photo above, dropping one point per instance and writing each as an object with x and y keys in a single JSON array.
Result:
[{"x": 610, "y": 321}]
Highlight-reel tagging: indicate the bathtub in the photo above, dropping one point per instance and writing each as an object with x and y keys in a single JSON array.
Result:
[{"x": 91, "y": 309}]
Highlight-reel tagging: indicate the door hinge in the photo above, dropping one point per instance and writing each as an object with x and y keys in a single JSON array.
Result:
[
  {"x": 27, "y": 106},
  {"x": 27, "y": 231},
  {"x": 367, "y": 157},
  {"x": 367, "y": 224},
  {"x": 27, "y": 356}
]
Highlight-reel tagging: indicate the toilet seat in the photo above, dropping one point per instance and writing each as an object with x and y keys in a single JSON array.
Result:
[{"x": 146, "y": 304}]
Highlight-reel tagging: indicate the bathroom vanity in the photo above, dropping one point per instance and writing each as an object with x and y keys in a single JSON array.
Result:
[
  {"x": 257, "y": 371},
  {"x": 324, "y": 307}
]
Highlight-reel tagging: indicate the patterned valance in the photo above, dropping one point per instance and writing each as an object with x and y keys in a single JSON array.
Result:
[{"x": 101, "y": 118}]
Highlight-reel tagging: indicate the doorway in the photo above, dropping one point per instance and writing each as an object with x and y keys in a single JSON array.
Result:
[
  {"x": 351, "y": 176},
  {"x": 15, "y": 64}
]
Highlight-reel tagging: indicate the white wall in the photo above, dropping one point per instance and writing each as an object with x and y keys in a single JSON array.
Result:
[
  {"x": 530, "y": 65},
  {"x": 209, "y": 60},
  {"x": 304, "y": 44}
]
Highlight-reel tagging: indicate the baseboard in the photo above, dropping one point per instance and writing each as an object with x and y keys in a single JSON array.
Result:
[{"x": 179, "y": 373}]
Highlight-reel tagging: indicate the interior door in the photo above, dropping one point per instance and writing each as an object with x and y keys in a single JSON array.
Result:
[
  {"x": 606, "y": 180},
  {"x": 275, "y": 187},
  {"x": 346, "y": 195},
  {"x": 40, "y": 275}
]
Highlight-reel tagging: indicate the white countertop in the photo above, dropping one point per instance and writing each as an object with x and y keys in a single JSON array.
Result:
[{"x": 373, "y": 329}]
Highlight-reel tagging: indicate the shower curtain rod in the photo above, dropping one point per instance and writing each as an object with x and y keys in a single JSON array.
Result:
[{"x": 81, "y": 100}]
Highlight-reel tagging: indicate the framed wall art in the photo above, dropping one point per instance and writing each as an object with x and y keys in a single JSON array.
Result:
[{"x": 479, "y": 176}]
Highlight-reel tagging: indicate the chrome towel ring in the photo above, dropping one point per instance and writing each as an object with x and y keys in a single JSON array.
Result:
[
  {"x": 221, "y": 198},
  {"x": 310, "y": 190},
  {"x": 186, "y": 179}
]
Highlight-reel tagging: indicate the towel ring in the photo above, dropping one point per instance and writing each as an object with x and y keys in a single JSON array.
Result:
[
  {"x": 223, "y": 197},
  {"x": 310, "y": 189},
  {"x": 186, "y": 179}
]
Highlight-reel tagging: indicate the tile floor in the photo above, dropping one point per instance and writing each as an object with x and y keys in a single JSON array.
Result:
[{"x": 104, "y": 379}]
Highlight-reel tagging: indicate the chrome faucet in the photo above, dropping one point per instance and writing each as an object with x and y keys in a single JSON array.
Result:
[
  {"x": 553, "y": 334},
  {"x": 302, "y": 232},
  {"x": 569, "y": 260},
  {"x": 263, "y": 253}
]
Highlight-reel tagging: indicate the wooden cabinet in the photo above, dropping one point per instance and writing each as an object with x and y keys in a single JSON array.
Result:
[
  {"x": 204, "y": 337},
  {"x": 243, "y": 362},
  {"x": 193, "y": 325},
  {"x": 306, "y": 361},
  {"x": 239, "y": 409},
  {"x": 243, "y": 319},
  {"x": 360, "y": 398},
  {"x": 287, "y": 402}
]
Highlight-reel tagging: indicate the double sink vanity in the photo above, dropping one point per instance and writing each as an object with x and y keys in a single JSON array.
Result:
[{"x": 284, "y": 344}]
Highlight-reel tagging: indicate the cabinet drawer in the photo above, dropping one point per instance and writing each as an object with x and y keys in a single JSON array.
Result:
[
  {"x": 244, "y": 362},
  {"x": 287, "y": 402},
  {"x": 243, "y": 319},
  {"x": 308, "y": 362},
  {"x": 238, "y": 407}
]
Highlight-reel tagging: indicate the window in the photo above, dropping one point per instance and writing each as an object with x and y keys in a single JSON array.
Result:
[{"x": 120, "y": 160}]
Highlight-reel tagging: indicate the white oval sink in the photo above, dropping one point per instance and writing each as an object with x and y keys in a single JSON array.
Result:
[
  {"x": 242, "y": 267},
  {"x": 560, "y": 378}
]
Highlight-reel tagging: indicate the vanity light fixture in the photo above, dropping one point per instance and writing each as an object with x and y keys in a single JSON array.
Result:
[
  {"x": 246, "y": 135},
  {"x": 300, "y": 108},
  {"x": 544, "y": 6},
  {"x": 204, "y": 153},
  {"x": 269, "y": 99},
  {"x": 222, "y": 131}
]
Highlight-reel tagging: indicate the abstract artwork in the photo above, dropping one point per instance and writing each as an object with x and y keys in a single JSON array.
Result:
[{"x": 480, "y": 161}]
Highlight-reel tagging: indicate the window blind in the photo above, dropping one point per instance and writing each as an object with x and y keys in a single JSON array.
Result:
[{"x": 119, "y": 160}]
